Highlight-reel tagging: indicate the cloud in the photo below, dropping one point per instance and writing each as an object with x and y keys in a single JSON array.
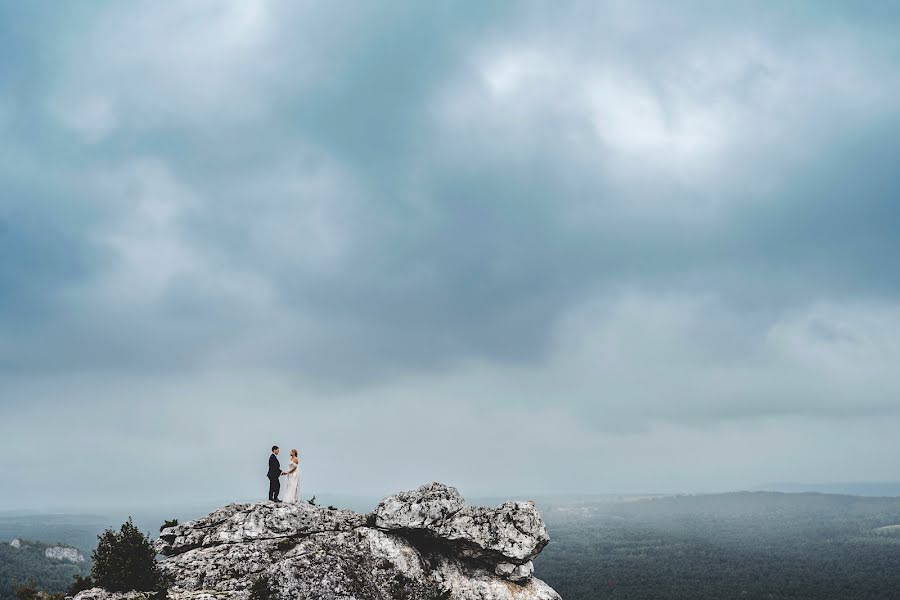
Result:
[
  {"x": 627, "y": 220},
  {"x": 669, "y": 168},
  {"x": 150, "y": 66}
]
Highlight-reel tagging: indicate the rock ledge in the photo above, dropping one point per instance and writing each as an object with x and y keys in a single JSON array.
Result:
[{"x": 418, "y": 545}]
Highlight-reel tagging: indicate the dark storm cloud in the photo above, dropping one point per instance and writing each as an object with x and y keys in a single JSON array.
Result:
[{"x": 643, "y": 211}]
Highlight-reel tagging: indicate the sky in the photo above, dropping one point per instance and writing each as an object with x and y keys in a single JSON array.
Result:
[{"x": 517, "y": 247}]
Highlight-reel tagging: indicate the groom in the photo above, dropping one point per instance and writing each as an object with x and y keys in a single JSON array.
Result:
[{"x": 274, "y": 473}]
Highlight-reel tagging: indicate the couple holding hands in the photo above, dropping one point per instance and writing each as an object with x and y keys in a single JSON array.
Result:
[{"x": 292, "y": 490}]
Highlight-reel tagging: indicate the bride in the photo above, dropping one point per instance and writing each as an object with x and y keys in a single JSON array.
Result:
[{"x": 292, "y": 492}]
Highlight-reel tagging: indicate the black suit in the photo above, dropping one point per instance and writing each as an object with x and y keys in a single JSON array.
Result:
[{"x": 274, "y": 474}]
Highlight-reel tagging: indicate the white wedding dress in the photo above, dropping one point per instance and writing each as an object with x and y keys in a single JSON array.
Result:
[{"x": 292, "y": 487}]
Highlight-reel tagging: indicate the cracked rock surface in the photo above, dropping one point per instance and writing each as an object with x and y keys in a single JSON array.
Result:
[
  {"x": 513, "y": 532},
  {"x": 423, "y": 544}
]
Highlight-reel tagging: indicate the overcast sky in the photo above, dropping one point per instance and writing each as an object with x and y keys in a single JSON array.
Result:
[{"x": 516, "y": 247}]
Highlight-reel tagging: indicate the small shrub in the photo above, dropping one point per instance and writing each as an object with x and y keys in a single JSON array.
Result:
[
  {"x": 169, "y": 523},
  {"x": 311, "y": 501},
  {"x": 28, "y": 591},
  {"x": 261, "y": 589},
  {"x": 285, "y": 544},
  {"x": 332, "y": 507},
  {"x": 80, "y": 584}
]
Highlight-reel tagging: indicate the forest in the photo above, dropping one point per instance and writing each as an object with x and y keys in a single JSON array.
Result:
[
  {"x": 27, "y": 564},
  {"x": 744, "y": 545}
]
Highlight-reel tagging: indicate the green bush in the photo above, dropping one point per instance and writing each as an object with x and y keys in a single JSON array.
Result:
[
  {"x": 30, "y": 591},
  {"x": 125, "y": 560},
  {"x": 261, "y": 589},
  {"x": 28, "y": 564},
  {"x": 80, "y": 584},
  {"x": 27, "y": 591}
]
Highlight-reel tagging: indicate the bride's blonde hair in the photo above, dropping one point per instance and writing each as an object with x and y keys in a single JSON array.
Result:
[{"x": 294, "y": 452}]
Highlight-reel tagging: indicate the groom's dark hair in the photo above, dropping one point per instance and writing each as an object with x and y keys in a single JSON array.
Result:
[{"x": 274, "y": 448}]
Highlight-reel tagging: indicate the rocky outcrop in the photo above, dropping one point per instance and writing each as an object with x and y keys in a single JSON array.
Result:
[
  {"x": 506, "y": 537},
  {"x": 64, "y": 553},
  {"x": 419, "y": 545},
  {"x": 101, "y": 594},
  {"x": 16, "y": 543}
]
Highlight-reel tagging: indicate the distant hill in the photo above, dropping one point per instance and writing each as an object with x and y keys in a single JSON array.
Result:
[
  {"x": 871, "y": 488},
  {"x": 79, "y": 531},
  {"x": 51, "y": 566},
  {"x": 780, "y": 546}
]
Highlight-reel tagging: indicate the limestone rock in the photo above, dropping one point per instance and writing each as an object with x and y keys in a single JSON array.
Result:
[
  {"x": 418, "y": 545},
  {"x": 462, "y": 582},
  {"x": 64, "y": 553},
  {"x": 515, "y": 572},
  {"x": 513, "y": 532},
  {"x": 426, "y": 507},
  {"x": 101, "y": 594},
  {"x": 246, "y": 522}
]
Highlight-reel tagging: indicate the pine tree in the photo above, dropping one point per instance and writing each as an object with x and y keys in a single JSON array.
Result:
[{"x": 125, "y": 560}]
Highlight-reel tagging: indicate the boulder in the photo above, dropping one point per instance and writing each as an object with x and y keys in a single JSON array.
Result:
[{"x": 511, "y": 533}]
